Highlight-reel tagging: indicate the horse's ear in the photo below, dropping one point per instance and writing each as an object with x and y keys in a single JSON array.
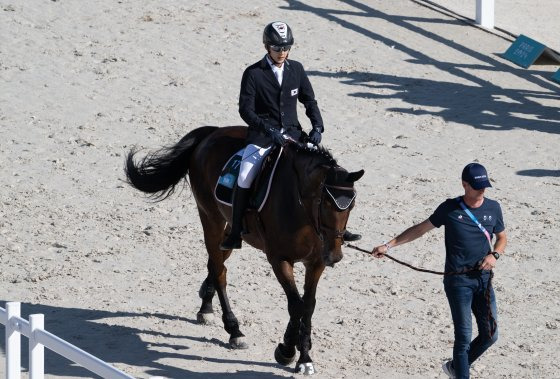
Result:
[{"x": 354, "y": 176}]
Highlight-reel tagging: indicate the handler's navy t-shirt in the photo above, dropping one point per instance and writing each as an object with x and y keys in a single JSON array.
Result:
[{"x": 465, "y": 243}]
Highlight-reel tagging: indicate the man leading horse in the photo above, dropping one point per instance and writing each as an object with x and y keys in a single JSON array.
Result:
[{"x": 270, "y": 90}]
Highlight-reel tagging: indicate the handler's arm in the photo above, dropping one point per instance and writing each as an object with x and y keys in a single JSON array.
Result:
[
  {"x": 501, "y": 242},
  {"x": 408, "y": 235},
  {"x": 489, "y": 262}
]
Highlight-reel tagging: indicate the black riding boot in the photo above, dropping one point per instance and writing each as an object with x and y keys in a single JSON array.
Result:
[
  {"x": 240, "y": 202},
  {"x": 349, "y": 236}
]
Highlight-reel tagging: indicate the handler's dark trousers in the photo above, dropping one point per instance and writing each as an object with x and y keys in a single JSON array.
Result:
[{"x": 466, "y": 294}]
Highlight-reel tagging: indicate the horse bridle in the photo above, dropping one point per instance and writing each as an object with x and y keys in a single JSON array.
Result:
[
  {"x": 315, "y": 220},
  {"x": 338, "y": 233}
]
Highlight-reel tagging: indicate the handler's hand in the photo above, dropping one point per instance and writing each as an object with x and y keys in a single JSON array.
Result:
[
  {"x": 488, "y": 263},
  {"x": 379, "y": 251}
]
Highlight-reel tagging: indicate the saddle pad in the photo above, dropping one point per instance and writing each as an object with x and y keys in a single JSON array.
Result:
[
  {"x": 261, "y": 185},
  {"x": 228, "y": 178}
]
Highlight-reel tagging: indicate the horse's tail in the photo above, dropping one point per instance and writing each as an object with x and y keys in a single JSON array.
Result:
[{"x": 160, "y": 171}]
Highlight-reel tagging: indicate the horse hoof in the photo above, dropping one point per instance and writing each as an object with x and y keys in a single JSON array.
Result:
[
  {"x": 238, "y": 343},
  {"x": 205, "y": 318},
  {"x": 281, "y": 357},
  {"x": 305, "y": 368}
]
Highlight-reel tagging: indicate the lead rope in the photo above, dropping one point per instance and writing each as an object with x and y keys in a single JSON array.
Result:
[
  {"x": 448, "y": 273},
  {"x": 491, "y": 320}
]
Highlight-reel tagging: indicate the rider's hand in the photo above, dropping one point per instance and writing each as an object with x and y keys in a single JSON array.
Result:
[
  {"x": 315, "y": 136},
  {"x": 276, "y": 136}
]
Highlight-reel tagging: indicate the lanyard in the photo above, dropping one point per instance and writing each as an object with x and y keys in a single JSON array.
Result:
[
  {"x": 491, "y": 320},
  {"x": 473, "y": 218}
]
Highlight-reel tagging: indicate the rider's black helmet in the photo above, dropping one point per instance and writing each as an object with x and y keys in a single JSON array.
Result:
[{"x": 278, "y": 34}]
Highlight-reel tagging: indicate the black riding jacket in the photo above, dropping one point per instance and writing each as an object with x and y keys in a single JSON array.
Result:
[{"x": 264, "y": 103}]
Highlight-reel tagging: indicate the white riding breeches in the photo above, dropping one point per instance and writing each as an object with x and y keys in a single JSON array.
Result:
[{"x": 251, "y": 163}]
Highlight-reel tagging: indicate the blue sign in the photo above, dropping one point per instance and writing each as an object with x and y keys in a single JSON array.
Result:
[
  {"x": 524, "y": 51},
  {"x": 556, "y": 77}
]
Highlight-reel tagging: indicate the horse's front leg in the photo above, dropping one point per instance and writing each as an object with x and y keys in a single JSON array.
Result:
[
  {"x": 285, "y": 352},
  {"x": 313, "y": 273}
]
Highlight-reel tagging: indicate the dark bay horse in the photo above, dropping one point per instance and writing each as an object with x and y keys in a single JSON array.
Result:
[{"x": 302, "y": 221}]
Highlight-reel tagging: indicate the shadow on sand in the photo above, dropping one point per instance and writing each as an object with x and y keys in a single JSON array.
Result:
[
  {"x": 91, "y": 330},
  {"x": 471, "y": 100},
  {"x": 479, "y": 103},
  {"x": 539, "y": 173}
]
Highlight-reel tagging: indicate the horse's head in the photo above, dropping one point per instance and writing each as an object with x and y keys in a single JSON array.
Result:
[
  {"x": 329, "y": 196},
  {"x": 337, "y": 200}
]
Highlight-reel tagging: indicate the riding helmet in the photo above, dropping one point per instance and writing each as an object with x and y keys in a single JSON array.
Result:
[{"x": 278, "y": 34}]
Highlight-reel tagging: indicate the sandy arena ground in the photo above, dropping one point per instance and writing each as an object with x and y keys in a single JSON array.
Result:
[{"x": 408, "y": 93}]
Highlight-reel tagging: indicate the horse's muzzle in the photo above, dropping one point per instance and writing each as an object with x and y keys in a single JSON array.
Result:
[{"x": 332, "y": 256}]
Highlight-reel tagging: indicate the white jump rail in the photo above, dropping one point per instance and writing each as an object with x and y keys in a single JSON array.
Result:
[{"x": 40, "y": 338}]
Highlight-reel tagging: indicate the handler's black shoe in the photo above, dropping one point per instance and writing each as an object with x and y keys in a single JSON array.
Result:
[{"x": 349, "y": 236}]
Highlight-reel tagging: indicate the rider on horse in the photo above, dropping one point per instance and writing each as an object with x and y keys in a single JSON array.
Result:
[{"x": 270, "y": 90}]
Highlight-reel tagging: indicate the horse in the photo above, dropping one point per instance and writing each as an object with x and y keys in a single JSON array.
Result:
[{"x": 301, "y": 221}]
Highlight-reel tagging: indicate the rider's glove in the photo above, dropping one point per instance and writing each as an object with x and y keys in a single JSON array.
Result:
[
  {"x": 315, "y": 136},
  {"x": 276, "y": 136}
]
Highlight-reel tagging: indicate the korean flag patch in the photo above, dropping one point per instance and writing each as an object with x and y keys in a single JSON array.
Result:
[{"x": 294, "y": 92}]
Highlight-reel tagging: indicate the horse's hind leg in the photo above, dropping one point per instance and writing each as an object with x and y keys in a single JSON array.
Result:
[
  {"x": 213, "y": 235},
  {"x": 206, "y": 292}
]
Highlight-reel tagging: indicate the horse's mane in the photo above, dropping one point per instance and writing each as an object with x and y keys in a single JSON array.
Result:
[{"x": 320, "y": 153}]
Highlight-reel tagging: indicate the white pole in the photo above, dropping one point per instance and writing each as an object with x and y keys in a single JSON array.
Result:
[
  {"x": 36, "y": 350},
  {"x": 485, "y": 13},
  {"x": 13, "y": 341},
  {"x": 39, "y": 338},
  {"x": 79, "y": 356}
]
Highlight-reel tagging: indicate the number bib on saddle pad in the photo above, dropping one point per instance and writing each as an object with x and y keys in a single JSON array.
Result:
[
  {"x": 261, "y": 186},
  {"x": 228, "y": 177}
]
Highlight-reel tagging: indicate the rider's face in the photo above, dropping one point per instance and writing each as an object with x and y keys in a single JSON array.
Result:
[{"x": 278, "y": 56}]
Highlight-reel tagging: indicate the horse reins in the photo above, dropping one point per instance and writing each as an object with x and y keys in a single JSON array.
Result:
[
  {"x": 491, "y": 320},
  {"x": 414, "y": 267}
]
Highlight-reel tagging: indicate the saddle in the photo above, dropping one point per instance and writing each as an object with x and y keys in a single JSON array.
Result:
[{"x": 261, "y": 185}]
